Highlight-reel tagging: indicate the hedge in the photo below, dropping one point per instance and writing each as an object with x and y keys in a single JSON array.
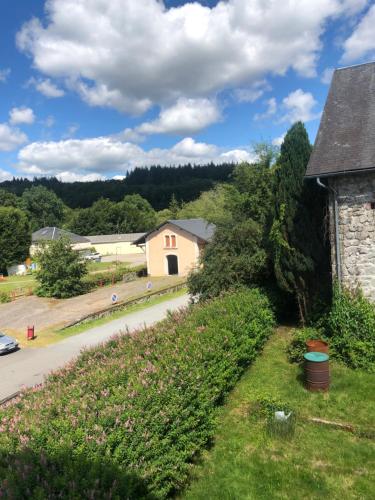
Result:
[
  {"x": 122, "y": 273},
  {"x": 126, "y": 419}
]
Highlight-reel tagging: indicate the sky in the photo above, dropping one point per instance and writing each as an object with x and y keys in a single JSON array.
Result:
[{"x": 93, "y": 88}]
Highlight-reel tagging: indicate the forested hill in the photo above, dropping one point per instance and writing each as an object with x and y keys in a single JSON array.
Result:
[{"x": 157, "y": 184}]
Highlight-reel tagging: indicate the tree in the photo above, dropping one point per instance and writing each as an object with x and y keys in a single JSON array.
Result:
[
  {"x": 297, "y": 232},
  {"x": 136, "y": 214},
  {"x": 211, "y": 205},
  {"x": 8, "y": 199},
  {"x": 15, "y": 237},
  {"x": 61, "y": 270},
  {"x": 234, "y": 257},
  {"x": 43, "y": 206}
]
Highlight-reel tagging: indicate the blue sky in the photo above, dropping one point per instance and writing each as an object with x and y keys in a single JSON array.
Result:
[{"x": 91, "y": 88}]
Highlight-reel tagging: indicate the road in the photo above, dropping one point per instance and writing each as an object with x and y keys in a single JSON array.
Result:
[{"x": 28, "y": 367}]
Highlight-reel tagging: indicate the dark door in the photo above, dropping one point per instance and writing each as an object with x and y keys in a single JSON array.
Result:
[{"x": 172, "y": 264}]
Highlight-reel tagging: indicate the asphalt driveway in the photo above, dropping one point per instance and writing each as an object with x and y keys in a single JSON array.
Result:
[{"x": 28, "y": 367}]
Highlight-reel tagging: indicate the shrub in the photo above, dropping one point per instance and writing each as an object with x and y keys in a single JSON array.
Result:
[
  {"x": 122, "y": 273},
  {"x": 297, "y": 347},
  {"x": 350, "y": 328},
  {"x": 60, "y": 270},
  {"x": 144, "y": 405},
  {"x": 4, "y": 297}
]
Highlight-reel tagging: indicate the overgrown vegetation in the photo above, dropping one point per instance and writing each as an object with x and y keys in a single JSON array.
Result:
[
  {"x": 128, "y": 417},
  {"x": 15, "y": 237},
  {"x": 61, "y": 270},
  {"x": 350, "y": 328},
  {"x": 273, "y": 234}
]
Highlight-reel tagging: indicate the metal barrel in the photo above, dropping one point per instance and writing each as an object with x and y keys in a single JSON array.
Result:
[{"x": 317, "y": 371}]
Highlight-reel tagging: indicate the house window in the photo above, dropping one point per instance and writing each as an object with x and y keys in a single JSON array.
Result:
[
  {"x": 170, "y": 241},
  {"x": 372, "y": 205}
]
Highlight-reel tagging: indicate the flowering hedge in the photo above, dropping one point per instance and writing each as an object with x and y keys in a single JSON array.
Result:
[{"x": 125, "y": 420}]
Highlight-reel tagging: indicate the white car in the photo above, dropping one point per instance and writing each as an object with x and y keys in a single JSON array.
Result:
[
  {"x": 7, "y": 344},
  {"x": 94, "y": 257}
]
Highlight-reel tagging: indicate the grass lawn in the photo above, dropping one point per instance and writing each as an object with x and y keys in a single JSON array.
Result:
[
  {"x": 105, "y": 266},
  {"x": 247, "y": 462},
  {"x": 48, "y": 337},
  {"x": 11, "y": 283}
]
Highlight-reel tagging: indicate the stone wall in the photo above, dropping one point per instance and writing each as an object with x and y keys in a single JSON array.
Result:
[{"x": 356, "y": 210}]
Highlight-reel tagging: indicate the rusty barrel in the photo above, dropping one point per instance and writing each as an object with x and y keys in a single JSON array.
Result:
[
  {"x": 316, "y": 371},
  {"x": 316, "y": 345}
]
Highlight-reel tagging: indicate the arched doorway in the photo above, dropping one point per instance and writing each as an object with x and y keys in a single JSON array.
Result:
[{"x": 172, "y": 264}]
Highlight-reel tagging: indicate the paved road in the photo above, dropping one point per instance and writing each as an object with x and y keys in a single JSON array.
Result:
[{"x": 28, "y": 367}]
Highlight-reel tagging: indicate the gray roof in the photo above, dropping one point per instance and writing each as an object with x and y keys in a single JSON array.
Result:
[
  {"x": 346, "y": 136},
  {"x": 54, "y": 233},
  {"x": 198, "y": 227},
  {"x": 114, "y": 238}
]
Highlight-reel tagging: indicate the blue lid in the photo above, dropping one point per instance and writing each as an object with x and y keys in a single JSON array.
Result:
[{"x": 317, "y": 357}]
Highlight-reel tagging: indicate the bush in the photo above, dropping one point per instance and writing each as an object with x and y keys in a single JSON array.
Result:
[
  {"x": 350, "y": 328},
  {"x": 297, "y": 347},
  {"x": 143, "y": 404},
  {"x": 4, "y": 297},
  {"x": 122, "y": 273},
  {"x": 60, "y": 270}
]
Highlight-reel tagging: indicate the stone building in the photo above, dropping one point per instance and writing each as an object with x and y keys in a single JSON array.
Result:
[{"x": 343, "y": 161}]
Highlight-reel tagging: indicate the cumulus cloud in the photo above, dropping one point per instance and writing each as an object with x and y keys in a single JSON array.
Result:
[
  {"x": 46, "y": 87},
  {"x": 4, "y": 74},
  {"x": 327, "y": 76},
  {"x": 270, "y": 111},
  {"x": 10, "y": 137},
  {"x": 4, "y": 175},
  {"x": 361, "y": 43},
  {"x": 107, "y": 156},
  {"x": 133, "y": 54},
  {"x": 187, "y": 116},
  {"x": 21, "y": 115},
  {"x": 299, "y": 106},
  {"x": 277, "y": 141},
  {"x": 253, "y": 92}
]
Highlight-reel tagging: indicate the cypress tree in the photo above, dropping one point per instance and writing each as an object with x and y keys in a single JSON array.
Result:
[{"x": 297, "y": 231}]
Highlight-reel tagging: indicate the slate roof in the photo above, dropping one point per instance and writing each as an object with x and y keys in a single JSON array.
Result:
[
  {"x": 346, "y": 136},
  {"x": 114, "y": 238},
  {"x": 54, "y": 233},
  {"x": 198, "y": 227}
]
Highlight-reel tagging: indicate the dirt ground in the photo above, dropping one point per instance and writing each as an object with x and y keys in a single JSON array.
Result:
[{"x": 47, "y": 314}]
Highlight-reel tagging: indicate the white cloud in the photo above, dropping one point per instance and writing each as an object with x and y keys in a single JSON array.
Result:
[
  {"x": 327, "y": 76},
  {"x": 46, "y": 87},
  {"x": 72, "y": 177},
  {"x": 299, "y": 107},
  {"x": 10, "y": 137},
  {"x": 361, "y": 43},
  {"x": 4, "y": 73},
  {"x": 72, "y": 129},
  {"x": 270, "y": 111},
  {"x": 49, "y": 121},
  {"x": 21, "y": 115},
  {"x": 277, "y": 141},
  {"x": 5, "y": 176},
  {"x": 133, "y": 54},
  {"x": 187, "y": 116},
  {"x": 253, "y": 92},
  {"x": 106, "y": 156}
]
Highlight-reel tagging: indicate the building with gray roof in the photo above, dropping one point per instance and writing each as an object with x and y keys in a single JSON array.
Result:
[{"x": 343, "y": 162}]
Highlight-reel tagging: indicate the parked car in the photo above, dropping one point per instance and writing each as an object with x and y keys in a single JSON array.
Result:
[
  {"x": 94, "y": 257},
  {"x": 7, "y": 344}
]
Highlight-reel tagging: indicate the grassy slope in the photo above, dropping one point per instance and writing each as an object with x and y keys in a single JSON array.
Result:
[{"x": 317, "y": 462}]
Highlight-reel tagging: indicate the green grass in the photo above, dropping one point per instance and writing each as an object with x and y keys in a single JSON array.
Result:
[
  {"x": 246, "y": 462},
  {"x": 11, "y": 283}
]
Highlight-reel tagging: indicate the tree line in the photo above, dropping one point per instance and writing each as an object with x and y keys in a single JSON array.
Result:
[{"x": 156, "y": 184}]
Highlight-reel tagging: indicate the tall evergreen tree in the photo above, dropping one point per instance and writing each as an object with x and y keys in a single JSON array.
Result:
[{"x": 297, "y": 231}]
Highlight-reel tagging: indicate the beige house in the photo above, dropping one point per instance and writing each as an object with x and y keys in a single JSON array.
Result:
[
  {"x": 116, "y": 244},
  {"x": 54, "y": 233},
  {"x": 174, "y": 247}
]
